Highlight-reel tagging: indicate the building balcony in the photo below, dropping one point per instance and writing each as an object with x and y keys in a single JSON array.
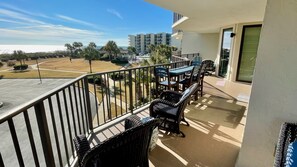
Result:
[{"x": 40, "y": 132}]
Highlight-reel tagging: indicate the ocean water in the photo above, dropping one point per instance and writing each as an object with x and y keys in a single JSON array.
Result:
[{"x": 30, "y": 48}]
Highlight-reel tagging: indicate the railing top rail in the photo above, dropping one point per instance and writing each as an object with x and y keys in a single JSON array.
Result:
[
  {"x": 19, "y": 109},
  {"x": 135, "y": 68}
]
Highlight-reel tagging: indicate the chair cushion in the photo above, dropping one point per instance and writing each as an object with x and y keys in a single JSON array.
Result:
[
  {"x": 165, "y": 110},
  {"x": 291, "y": 157}
]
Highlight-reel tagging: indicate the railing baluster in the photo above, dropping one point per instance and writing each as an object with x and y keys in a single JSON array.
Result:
[
  {"x": 44, "y": 134},
  {"x": 15, "y": 142},
  {"x": 84, "y": 94},
  {"x": 67, "y": 119},
  {"x": 130, "y": 91},
  {"x": 62, "y": 127},
  {"x": 121, "y": 92},
  {"x": 103, "y": 84},
  {"x": 81, "y": 107},
  {"x": 115, "y": 95},
  {"x": 72, "y": 110},
  {"x": 109, "y": 97},
  {"x": 96, "y": 98},
  {"x": 55, "y": 130},
  {"x": 77, "y": 112},
  {"x": 147, "y": 84},
  {"x": 125, "y": 83},
  {"x": 88, "y": 104},
  {"x": 31, "y": 139}
]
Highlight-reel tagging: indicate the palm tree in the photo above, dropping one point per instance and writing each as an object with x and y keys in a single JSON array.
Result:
[
  {"x": 90, "y": 53},
  {"x": 70, "y": 48},
  {"x": 20, "y": 56},
  {"x": 131, "y": 50},
  {"x": 151, "y": 48},
  {"x": 77, "y": 48},
  {"x": 111, "y": 48}
]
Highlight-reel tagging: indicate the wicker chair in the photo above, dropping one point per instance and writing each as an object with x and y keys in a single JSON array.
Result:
[
  {"x": 288, "y": 134},
  {"x": 210, "y": 67},
  {"x": 129, "y": 148},
  {"x": 170, "y": 109}
]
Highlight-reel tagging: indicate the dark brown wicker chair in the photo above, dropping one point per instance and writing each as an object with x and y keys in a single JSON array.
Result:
[
  {"x": 170, "y": 109},
  {"x": 210, "y": 67},
  {"x": 129, "y": 148},
  {"x": 288, "y": 134}
]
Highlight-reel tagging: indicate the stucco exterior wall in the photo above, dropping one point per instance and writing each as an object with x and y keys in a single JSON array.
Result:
[
  {"x": 274, "y": 91},
  {"x": 205, "y": 44}
]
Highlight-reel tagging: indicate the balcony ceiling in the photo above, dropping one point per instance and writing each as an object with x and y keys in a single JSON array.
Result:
[{"x": 206, "y": 16}]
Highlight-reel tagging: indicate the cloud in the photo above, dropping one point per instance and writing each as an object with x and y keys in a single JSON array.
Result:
[
  {"x": 116, "y": 13},
  {"x": 18, "y": 16},
  {"x": 8, "y": 6},
  {"x": 67, "y": 18},
  {"x": 24, "y": 28},
  {"x": 21, "y": 27}
]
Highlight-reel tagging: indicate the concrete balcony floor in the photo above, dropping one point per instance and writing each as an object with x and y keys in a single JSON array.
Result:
[{"x": 214, "y": 136}]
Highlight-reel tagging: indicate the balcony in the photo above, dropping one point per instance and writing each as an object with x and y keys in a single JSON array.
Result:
[{"x": 40, "y": 132}]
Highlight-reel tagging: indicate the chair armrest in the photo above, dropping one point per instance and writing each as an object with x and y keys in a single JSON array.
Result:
[
  {"x": 171, "y": 96},
  {"x": 132, "y": 121},
  {"x": 81, "y": 146}
]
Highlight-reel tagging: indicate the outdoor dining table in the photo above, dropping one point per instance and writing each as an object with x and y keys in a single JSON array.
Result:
[{"x": 177, "y": 72}]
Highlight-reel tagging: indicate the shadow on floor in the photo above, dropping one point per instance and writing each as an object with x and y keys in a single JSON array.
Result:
[{"x": 196, "y": 149}]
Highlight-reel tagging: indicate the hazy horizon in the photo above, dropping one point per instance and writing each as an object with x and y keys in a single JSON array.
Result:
[{"x": 35, "y": 48}]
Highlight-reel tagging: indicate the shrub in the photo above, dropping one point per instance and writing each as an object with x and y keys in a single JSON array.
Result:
[
  {"x": 1, "y": 64},
  {"x": 20, "y": 67},
  {"x": 117, "y": 76},
  {"x": 120, "y": 60},
  {"x": 10, "y": 63},
  {"x": 94, "y": 79},
  {"x": 104, "y": 57}
]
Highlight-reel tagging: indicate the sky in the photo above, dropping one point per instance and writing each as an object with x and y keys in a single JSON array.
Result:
[{"x": 56, "y": 22}]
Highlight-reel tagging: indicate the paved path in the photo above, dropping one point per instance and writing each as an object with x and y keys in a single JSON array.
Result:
[{"x": 14, "y": 92}]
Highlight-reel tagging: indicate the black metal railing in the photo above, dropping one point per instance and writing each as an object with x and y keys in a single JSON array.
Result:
[
  {"x": 189, "y": 56},
  {"x": 42, "y": 130}
]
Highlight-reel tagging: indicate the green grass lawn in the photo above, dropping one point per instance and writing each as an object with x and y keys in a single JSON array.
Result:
[{"x": 67, "y": 68}]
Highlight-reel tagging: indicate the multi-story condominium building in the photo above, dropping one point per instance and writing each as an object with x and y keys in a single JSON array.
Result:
[{"x": 142, "y": 41}]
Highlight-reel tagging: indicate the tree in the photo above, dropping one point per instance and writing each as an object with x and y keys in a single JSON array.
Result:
[
  {"x": 131, "y": 50},
  {"x": 77, "y": 48},
  {"x": 111, "y": 48},
  {"x": 19, "y": 56},
  {"x": 70, "y": 48},
  {"x": 151, "y": 48},
  {"x": 90, "y": 53}
]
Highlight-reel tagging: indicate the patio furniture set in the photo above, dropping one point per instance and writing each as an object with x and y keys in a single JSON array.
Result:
[{"x": 131, "y": 147}]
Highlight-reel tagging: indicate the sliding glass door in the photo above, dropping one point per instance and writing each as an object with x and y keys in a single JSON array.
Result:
[
  {"x": 225, "y": 51},
  {"x": 248, "y": 52}
]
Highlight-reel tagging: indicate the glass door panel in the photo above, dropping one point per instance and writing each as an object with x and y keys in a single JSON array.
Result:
[
  {"x": 248, "y": 52},
  {"x": 225, "y": 51}
]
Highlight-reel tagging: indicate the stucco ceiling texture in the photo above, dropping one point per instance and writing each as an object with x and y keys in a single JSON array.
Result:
[{"x": 206, "y": 16}]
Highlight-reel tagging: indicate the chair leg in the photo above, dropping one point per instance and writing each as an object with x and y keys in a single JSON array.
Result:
[
  {"x": 184, "y": 120},
  {"x": 201, "y": 93},
  {"x": 183, "y": 135}
]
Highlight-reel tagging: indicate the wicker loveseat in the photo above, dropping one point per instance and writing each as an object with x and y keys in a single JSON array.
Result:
[
  {"x": 284, "y": 151},
  {"x": 129, "y": 148}
]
